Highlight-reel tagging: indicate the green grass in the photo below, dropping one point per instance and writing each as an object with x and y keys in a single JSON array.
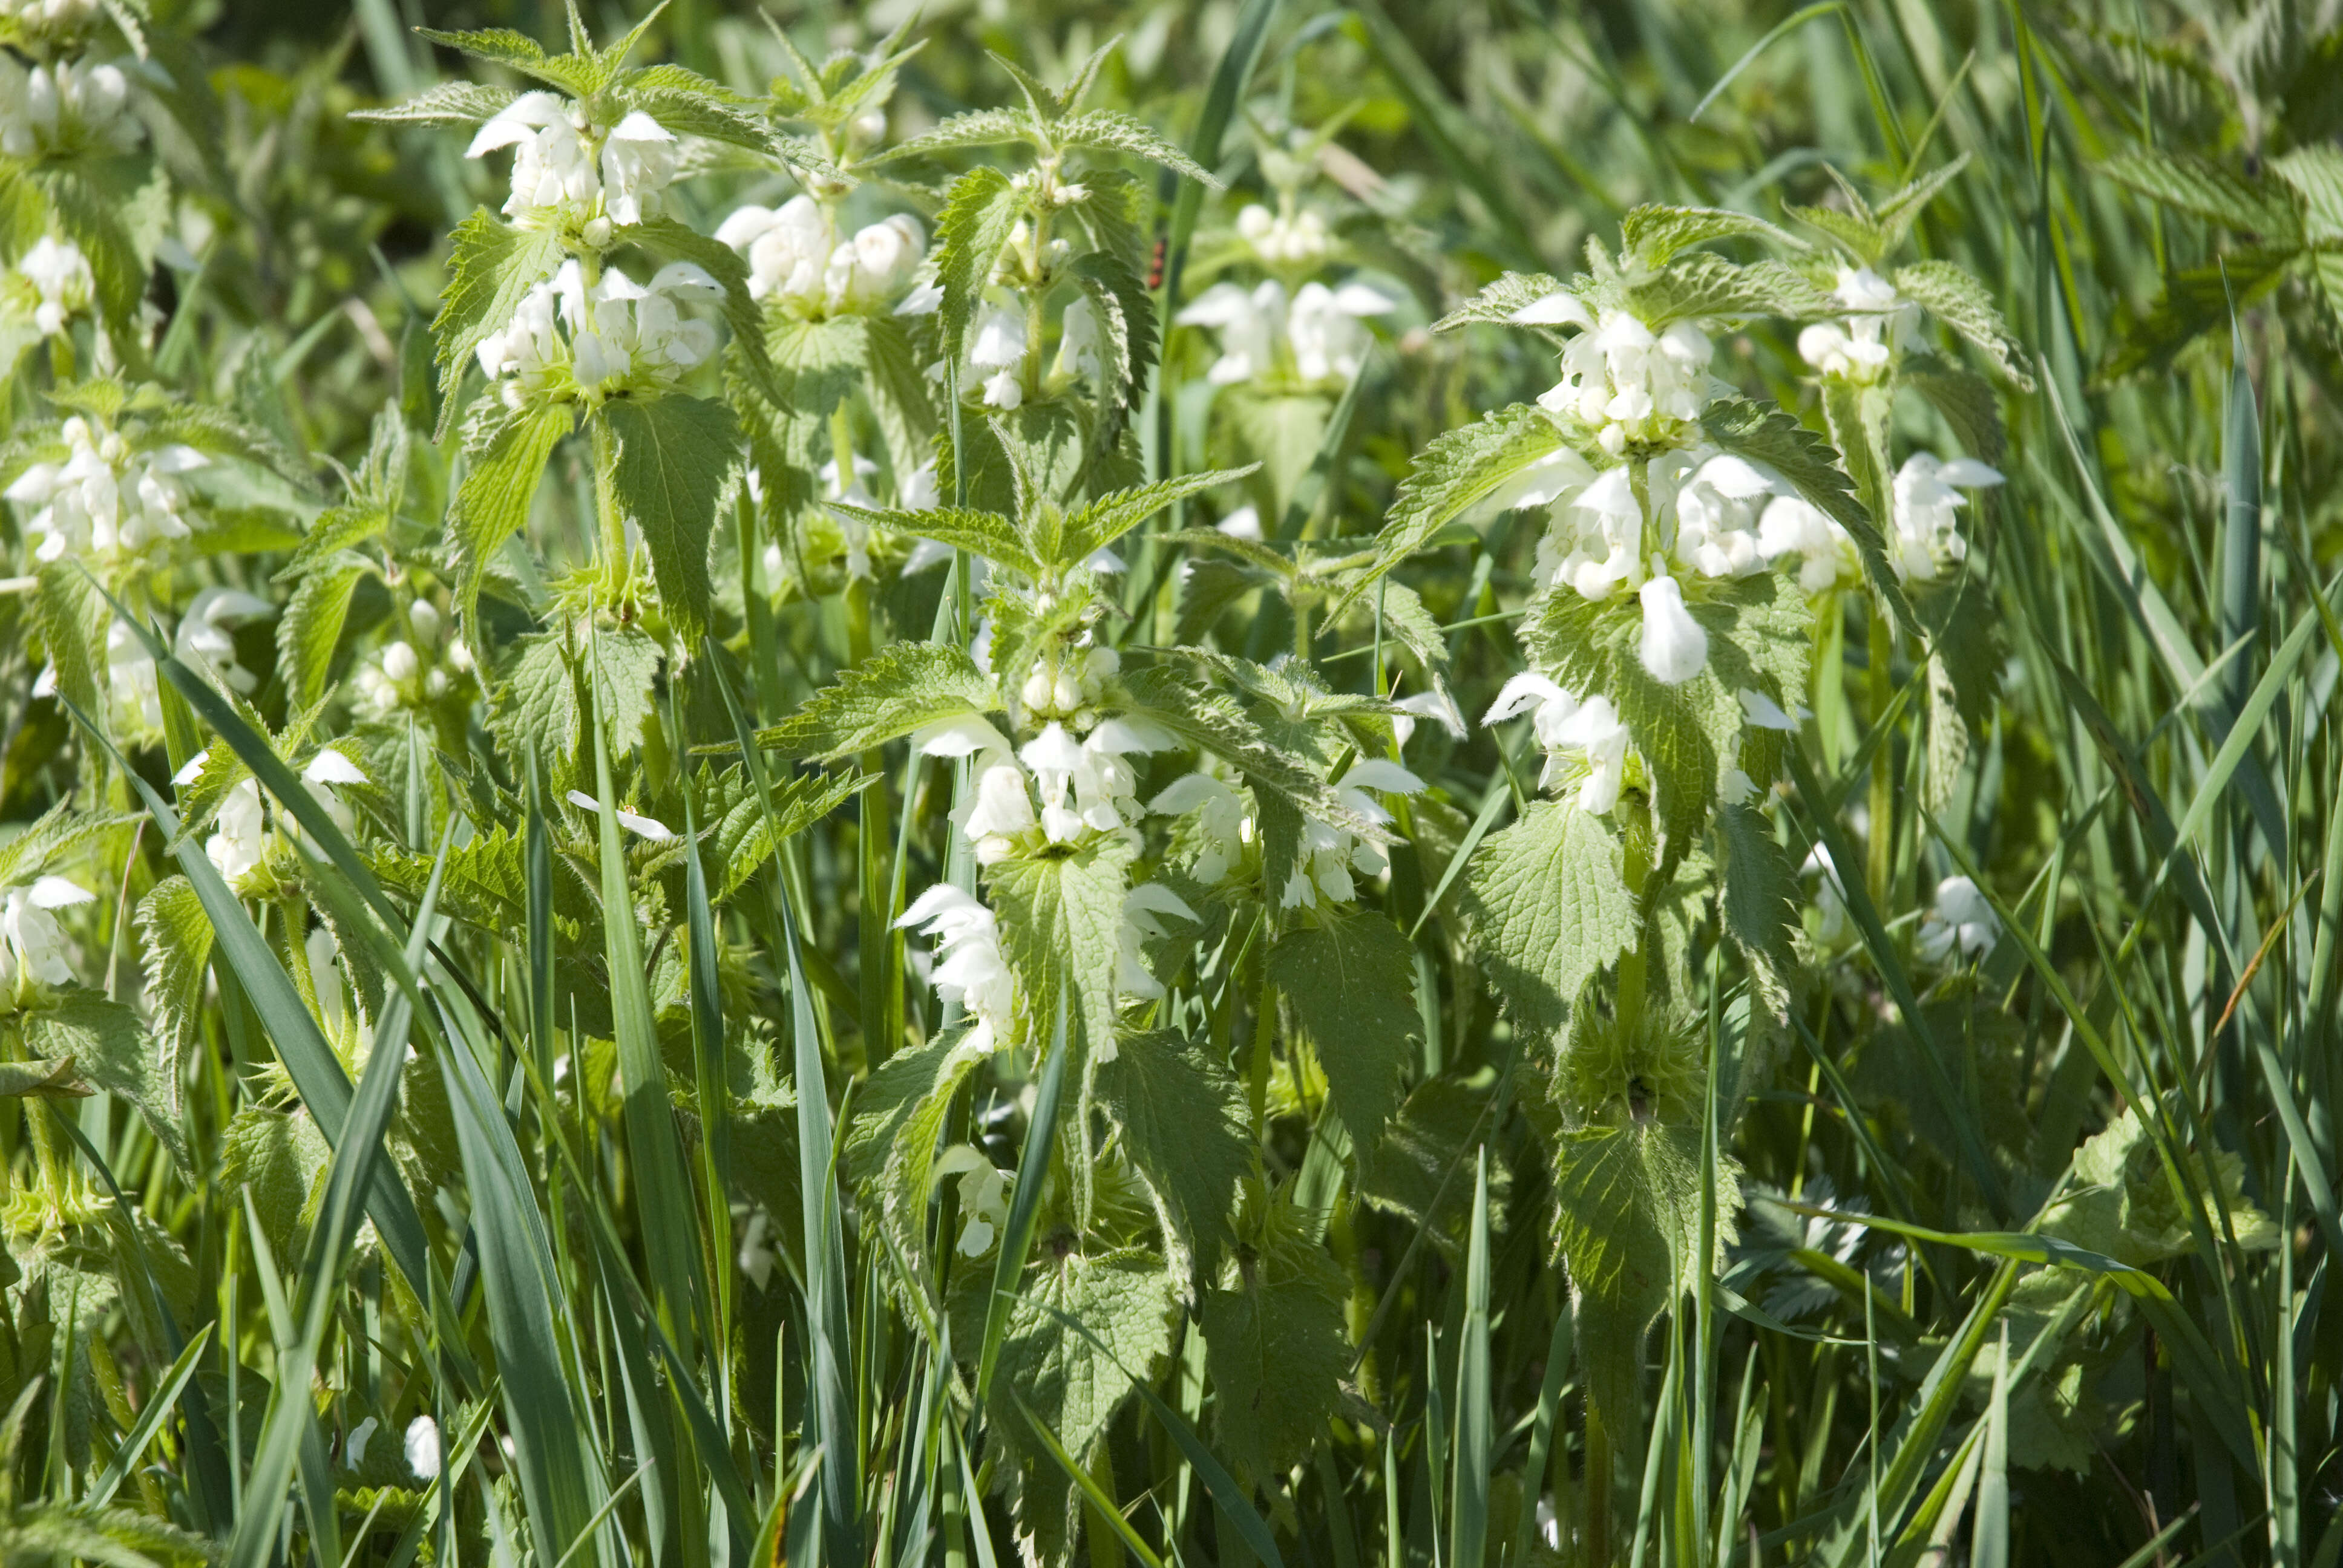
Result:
[{"x": 613, "y": 1226}]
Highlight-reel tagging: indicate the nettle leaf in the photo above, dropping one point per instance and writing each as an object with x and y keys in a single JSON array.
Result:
[
  {"x": 679, "y": 241},
  {"x": 1350, "y": 982},
  {"x": 1110, "y": 130},
  {"x": 1899, "y": 212},
  {"x": 2316, "y": 174},
  {"x": 115, "y": 210},
  {"x": 1497, "y": 304},
  {"x": 1428, "y": 1147},
  {"x": 974, "y": 128},
  {"x": 310, "y": 630},
  {"x": 1124, "y": 1300},
  {"x": 895, "y": 692},
  {"x": 1651, "y": 233},
  {"x": 1274, "y": 1347},
  {"x": 1965, "y": 399},
  {"x": 675, "y": 454},
  {"x": 1125, "y": 313},
  {"x": 1060, "y": 918},
  {"x": 509, "y": 451},
  {"x": 537, "y": 711},
  {"x": 1701, "y": 286},
  {"x": 1182, "y": 1115},
  {"x": 109, "y": 1050},
  {"x": 2203, "y": 188},
  {"x": 178, "y": 935},
  {"x": 1111, "y": 517},
  {"x": 493, "y": 263},
  {"x": 1116, "y": 218},
  {"x": 443, "y": 103},
  {"x": 621, "y": 665},
  {"x": 1765, "y": 434},
  {"x": 581, "y": 74},
  {"x": 978, "y": 215},
  {"x": 1859, "y": 235},
  {"x": 1949, "y": 294},
  {"x": 908, "y": 1099},
  {"x": 1546, "y": 907},
  {"x": 281, "y": 1159},
  {"x": 1212, "y": 721},
  {"x": 1761, "y": 903},
  {"x": 1455, "y": 469},
  {"x": 743, "y": 834},
  {"x": 1627, "y": 1224},
  {"x": 71, "y": 617},
  {"x": 986, "y": 534},
  {"x": 43, "y": 1078}
]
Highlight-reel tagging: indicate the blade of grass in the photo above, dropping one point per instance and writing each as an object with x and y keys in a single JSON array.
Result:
[
  {"x": 1468, "y": 1522},
  {"x": 1024, "y": 1202}
]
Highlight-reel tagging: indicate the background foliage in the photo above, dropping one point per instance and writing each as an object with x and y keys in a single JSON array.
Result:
[{"x": 1988, "y": 1219}]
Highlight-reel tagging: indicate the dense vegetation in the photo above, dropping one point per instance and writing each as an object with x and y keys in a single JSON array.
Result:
[{"x": 1210, "y": 783}]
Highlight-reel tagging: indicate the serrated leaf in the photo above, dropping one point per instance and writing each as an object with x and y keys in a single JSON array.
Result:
[
  {"x": 177, "y": 936},
  {"x": 1274, "y": 1348},
  {"x": 1899, "y": 212},
  {"x": 1124, "y": 1298},
  {"x": 1949, "y": 294},
  {"x": 2315, "y": 174},
  {"x": 71, "y": 620},
  {"x": 1213, "y": 722},
  {"x": 311, "y": 629},
  {"x": 1110, "y": 130},
  {"x": 1547, "y": 908},
  {"x": 1182, "y": 1120},
  {"x": 1060, "y": 918},
  {"x": 621, "y": 665},
  {"x": 1765, "y": 434},
  {"x": 493, "y": 265},
  {"x": 443, "y": 103},
  {"x": 744, "y": 833},
  {"x": 1760, "y": 903},
  {"x": 1350, "y": 982},
  {"x": 580, "y": 75},
  {"x": 1124, "y": 313},
  {"x": 1863, "y": 238},
  {"x": 1965, "y": 399},
  {"x": 1497, "y": 304},
  {"x": 492, "y": 504},
  {"x": 107, "y": 1046},
  {"x": 1701, "y": 287},
  {"x": 1111, "y": 517},
  {"x": 279, "y": 1158},
  {"x": 973, "y": 128},
  {"x": 895, "y": 692},
  {"x": 986, "y": 534},
  {"x": 1652, "y": 234},
  {"x": 536, "y": 712},
  {"x": 1455, "y": 469},
  {"x": 978, "y": 215},
  {"x": 2203, "y": 188},
  {"x": 900, "y": 1121},
  {"x": 1414, "y": 1170},
  {"x": 673, "y": 456}
]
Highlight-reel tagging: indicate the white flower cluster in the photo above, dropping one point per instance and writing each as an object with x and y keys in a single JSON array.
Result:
[
  {"x": 1084, "y": 786},
  {"x": 64, "y": 108},
  {"x": 1143, "y": 909},
  {"x": 999, "y": 346},
  {"x": 569, "y": 172},
  {"x": 983, "y": 1197},
  {"x": 49, "y": 18},
  {"x": 1330, "y": 855},
  {"x": 972, "y": 974},
  {"x": 1225, "y": 826},
  {"x": 32, "y": 945},
  {"x": 794, "y": 254},
  {"x": 618, "y": 334},
  {"x": 241, "y": 838},
  {"x": 1297, "y": 239},
  {"x": 1961, "y": 928},
  {"x": 104, "y": 498},
  {"x": 1878, "y": 320},
  {"x": 1630, "y": 384},
  {"x": 58, "y": 276},
  {"x": 1925, "y": 536},
  {"x": 404, "y": 675},
  {"x": 206, "y": 639},
  {"x": 1067, "y": 682},
  {"x": 1317, "y": 336},
  {"x": 1583, "y": 738}
]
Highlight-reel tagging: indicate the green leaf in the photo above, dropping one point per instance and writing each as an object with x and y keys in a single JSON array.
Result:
[
  {"x": 743, "y": 832},
  {"x": 1060, "y": 918},
  {"x": 1415, "y": 1169},
  {"x": 2316, "y": 172},
  {"x": 1212, "y": 721},
  {"x": 43, "y": 1078},
  {"x": 897, "y": 690},
  {"x": 1765, "y": 434},
  {"x": 1497, "y": 304},
  {"x": 1651, "y": 233},
  {"x": 109, "y": 1048},
  {"x": 2203, "y": 188},
  {"x": 1953, "y": 297},
  {"x": 279, "y": 1158},
  {"x": 1110, "y": 130},
  {"x": 178, "y": 943},
  {"x": 674, "y": 454},
  {"x": 899, "y": 1120},
  {"x": 1274, "y": 1347},
  {"x": 1350, "y": 982},
  {"x": 1457, "y": 468},
  {"x": 1182, "y": 1119},
  {"x": 978, "y": 215},
  {"x": 1701, "y": 286},
  {"x": 1683, "y": 733},
  {"x": 1124, "y": 313},
  {"x": 1124, "y": 1300},
  {"x": 443, "y": 103},
  {"x": 493, "y": 266},
  {"x": 70, "y": 620},
  {"x": 973, "y": 128},
  {"x": 1547, "y": 907},
  {"x": 986, "y": 534},
  {"x": 621, "y": 665},
  {"x": 1111, "y": 517},
  {"x": 1761, "y": 903},
  {"x": 507, "y": 460},
  {"x": 310, "y": 630},
  {"x": 536, "y": 712}
]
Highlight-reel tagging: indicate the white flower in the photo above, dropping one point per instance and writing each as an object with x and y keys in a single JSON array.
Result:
[
  {"x": 1297, "y": 239},
  {"x": 1079, "y": 350},
  {"x": 1961, "y": 928},
  {"x": 1765, "y": 713},
  {"x": 130, "y": 679},
  {"x": 1143, "y": 908},
  {"x": 50, "y": 18},
  {"x": 1582, "y": 739},
  {"x": 354, "y": 1447},
  {"x": 328, "y": 768},
  {"x": 1830, "y": 896},
  {"x": 617, "y": 335},
  {"x": 1328, "y": 854},
  {"x": 64, "y": 108},
  {"x": 973, "y": 975},
  {"x": 205, "y": 638},
  {"x": 1000, "y": 340},
  {"x": 1878, "y": 320},
  {"x": 31, "y": 942},
  {"x": 854, "y": 493},
  {"x": 1318, "y": 333},
  {"x": 1436, "y": 705},
  {"x": 1250, "y": 325},
  {"x": 788, "y": 247},
  {"x": 1594, "y": 541},
  {"x": 567, "y": 170},
  {"x": 1792, "y": 524},
  {"x": 1925, "y": 535},
  {"x": 649, "y": 827},
  {"x": 638, "y": 163},
  {"x": 423, "y": 1448},
  {"x": 59, "y": 277},
  {"x": 1223, "y": 828},
  {"x": 1621, "y": 378},
  {"x": 1673, "y": 646},
  {"x": 1716, "y": 503},
  {"x": 1324, "y": 331},
  {"x": 1244, "y": 523},
  {"x": 983, "y": 1197},
  {"x": 1544, "y": 481},
  {"x": 104, "y": 498},
  {"x": 876, "y": 265},
  {"x": 239, "y": 837},
  {"x": 1000, "y": 808}
]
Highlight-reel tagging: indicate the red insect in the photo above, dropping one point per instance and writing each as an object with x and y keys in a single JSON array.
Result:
[{"x": 1155, "y": 266}]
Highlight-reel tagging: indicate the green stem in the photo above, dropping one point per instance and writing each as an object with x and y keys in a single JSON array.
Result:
[
  {"x": 1882, "y": 860},
  {"x": 1598, "y": 1486},
  {"x": 606, "y": 502}
]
